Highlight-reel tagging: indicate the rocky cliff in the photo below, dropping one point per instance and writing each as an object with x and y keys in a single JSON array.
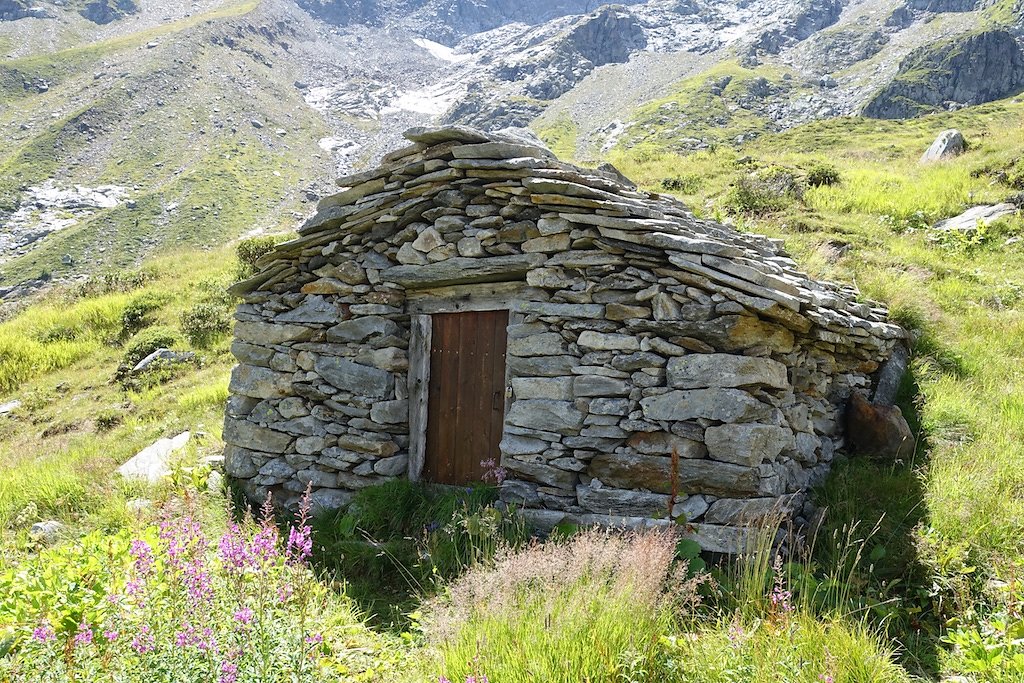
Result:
[{"x": 977, "y": 68}]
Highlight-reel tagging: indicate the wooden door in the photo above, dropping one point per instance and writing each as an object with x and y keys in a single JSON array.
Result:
[{"x": 466, "y": 397}]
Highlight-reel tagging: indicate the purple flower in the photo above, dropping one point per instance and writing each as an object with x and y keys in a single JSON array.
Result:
[
  {"x": 300, "y": 544},
  {"x": 111, "y": 636},
  {"x": 494, "y": 471},
  {"x": 285, "y": 593},
  {"x": 84, "y": 635},
  {"x": 143, "y": 555},
  {"x": 315, "y": 639},
  {"x": 826, "y": 678},
  {"x": 143, "y": 642},
  {"x": 244, "y": 616},
  {"x": 234, "y": 551},
  {"x": 228, "y": 672},
  {"x": 443, "y": 679},
  {"x": 43, "y": 633}
]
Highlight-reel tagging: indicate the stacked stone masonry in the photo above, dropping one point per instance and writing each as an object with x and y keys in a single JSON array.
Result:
[{"x": 635, "y": 330}]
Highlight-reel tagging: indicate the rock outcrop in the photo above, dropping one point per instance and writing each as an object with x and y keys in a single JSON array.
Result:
[
  {"x": 637, "y": 331},
  {"x": 948, "y": 144},
  {"x": 973, "y": 69}
]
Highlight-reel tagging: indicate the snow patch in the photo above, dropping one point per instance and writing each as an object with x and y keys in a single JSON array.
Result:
[{"x": 442, "y": 52}]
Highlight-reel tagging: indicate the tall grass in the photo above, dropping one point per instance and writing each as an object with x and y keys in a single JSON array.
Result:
[
  {"x": 561, "y": 612},
  {"x": 51, "y": 337}
]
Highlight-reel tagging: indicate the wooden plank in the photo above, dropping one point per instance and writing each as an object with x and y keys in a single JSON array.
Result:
[
  {"x": 419, "y": 388},
  {"x": 499, "y": 370}
]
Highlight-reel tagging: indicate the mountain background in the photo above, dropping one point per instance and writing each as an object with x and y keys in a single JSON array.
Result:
[{"x": 133, "y": 126}]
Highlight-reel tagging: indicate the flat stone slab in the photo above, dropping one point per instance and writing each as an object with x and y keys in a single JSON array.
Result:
[
  {"x": 153, "y": 463},
  {"x": 970, "y": 219}
]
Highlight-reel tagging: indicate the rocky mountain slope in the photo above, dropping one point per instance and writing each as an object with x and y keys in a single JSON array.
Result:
[{"x": 137, "y": 124}]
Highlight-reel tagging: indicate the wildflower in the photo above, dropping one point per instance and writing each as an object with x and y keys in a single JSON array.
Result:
[
  {"x": 234, "y": 552},
  {"x": 84, "y": 635},
  {"x": 315, "y": 639},
  {"x": 111, "y": 636},
  {"x": 143, "y": 555},
  {"x": 443, "y": 679},
  {"x": 826, "y": 678},
  {"x": 207, "y": 643},
  {"x": 244, "y": 616},
  {"x": 43, "y": 633},
  {"x": 300, "y": 539},
  {"x": 780, "y": 597},
  {"x": 285, "y": 593},
  {"x": 493, "y": 471},
  {"x": 300, "y": 544},
  {"x": 228, "y": 672},
  {"x": 143, "y": 642}
]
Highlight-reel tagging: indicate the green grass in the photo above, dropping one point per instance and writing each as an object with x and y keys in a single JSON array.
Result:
[
  {"x": 696, "y": 109},
  {"x": 954, "y": 517},
  {"x": 59, "y": 450}
]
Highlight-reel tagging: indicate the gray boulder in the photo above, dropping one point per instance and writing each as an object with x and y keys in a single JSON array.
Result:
[
  {"x": 153, "y": 463},
  {"x": 948, "y": 144}
]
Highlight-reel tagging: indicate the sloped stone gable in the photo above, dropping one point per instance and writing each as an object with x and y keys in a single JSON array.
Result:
[{"x": 637, "y": 330}]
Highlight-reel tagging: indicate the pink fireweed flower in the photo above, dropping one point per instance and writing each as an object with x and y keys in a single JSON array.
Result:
[
  {"x": 443, "y": 679},
  {"x": 143, "y": 555},
  {"x": 111, "y": 636},
  {"x": 207, "y": 643},
  {"x": 315, "y": 639},
  {"x": 285, "y": 593},
  {"x": 826, "y": 678},
  {"x": 228, "y": 672},
  {"x": 244, "y": 616},
  {"x": 84, "y": 635},
  {"x": 234, "y": 552},
  {"x": 44, "y": 633},
  {"x": 263, "y": 548},
  {"x": 300, "y": 544},
  {"x": 143, "y": 642}
]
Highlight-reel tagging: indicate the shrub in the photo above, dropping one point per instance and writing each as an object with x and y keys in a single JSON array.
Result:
[
  {"x": 204, "y": 322},
  {"x": 771, "y": 189},
  {"x": 173, "y": 604},
  {"x": 823, "y": 175},
  {"x": 145, "y": 343},
  {"x": 688, "y": 183},
  {"x": 249, "y": 251},
  {"x": 136, "y": 314},
  {"x": 535, "y": 613}
]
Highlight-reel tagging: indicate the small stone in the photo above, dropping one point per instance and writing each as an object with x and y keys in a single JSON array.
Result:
[
  {"x": 47, "y": 531},
  {"x": 599, "y": 341},
  {"x": 428, "y": 240}
]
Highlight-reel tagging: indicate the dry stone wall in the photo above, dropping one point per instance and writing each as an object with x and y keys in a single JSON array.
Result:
[{"x": 636, "y": 331}]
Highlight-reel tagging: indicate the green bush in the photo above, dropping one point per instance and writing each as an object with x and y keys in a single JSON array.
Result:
[
  {"x": 249, "y": 251},
  {"x": 204, "y": 322},
  {"x": 688, "y": 183},
  {"x": 823, "y": 175},
  {"x": 136, "y": 314},
  {"x": 146, "y": 342},
  {"x": 765, "y": 191}
]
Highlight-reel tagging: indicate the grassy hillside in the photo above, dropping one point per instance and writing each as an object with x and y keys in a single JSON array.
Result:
[{"x": 197, "y": 119}]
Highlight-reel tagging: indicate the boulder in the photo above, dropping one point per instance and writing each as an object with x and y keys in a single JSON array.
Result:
[
  {"x": 878, "y": 430},
  {"x": 949, "y": 143},
  {"x": 47, "y": 531},
  {"x": 969, "y": 220},
  {"x": 153, "y": 463}
]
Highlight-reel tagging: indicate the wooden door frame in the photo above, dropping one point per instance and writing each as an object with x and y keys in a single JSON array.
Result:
[{"x": 421, "y": 306}]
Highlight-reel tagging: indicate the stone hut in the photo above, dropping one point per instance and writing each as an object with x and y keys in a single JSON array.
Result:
[{"x": 474, "y": 299}]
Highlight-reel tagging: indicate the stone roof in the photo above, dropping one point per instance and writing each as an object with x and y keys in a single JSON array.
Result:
[{"x": 751, "y": 269}]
